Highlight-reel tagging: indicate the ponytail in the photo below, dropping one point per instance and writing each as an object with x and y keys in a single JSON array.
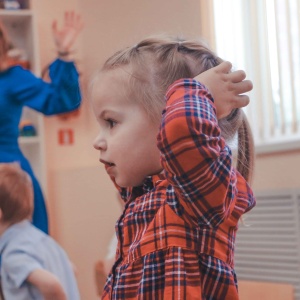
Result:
[{"x": 245, "y": 158}]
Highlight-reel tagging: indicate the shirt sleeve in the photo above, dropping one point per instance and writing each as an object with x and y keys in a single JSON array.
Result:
[
  {"x": 196, "y": 160},
  {"x": 17, "y": 266},
  {"x": 61, "y": 95}
]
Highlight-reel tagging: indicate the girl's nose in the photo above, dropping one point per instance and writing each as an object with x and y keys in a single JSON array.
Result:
[{"x": 100, "y": 143}]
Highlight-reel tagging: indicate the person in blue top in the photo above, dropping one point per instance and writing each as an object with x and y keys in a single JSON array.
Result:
[
  {"x": 33, "y": 265},
  {"x": 19, "y": 88}
]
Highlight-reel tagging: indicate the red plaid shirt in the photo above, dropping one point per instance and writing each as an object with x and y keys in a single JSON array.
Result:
[{"x": 177, "y": 232}]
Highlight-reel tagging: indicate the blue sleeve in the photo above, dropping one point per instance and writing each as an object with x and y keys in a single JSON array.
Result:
[
  {"x": 17, "y": 266},
  {"x": 61, "y": 95}
]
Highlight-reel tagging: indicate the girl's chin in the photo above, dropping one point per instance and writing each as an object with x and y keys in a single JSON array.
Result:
[{"x": 126, "y": 184}]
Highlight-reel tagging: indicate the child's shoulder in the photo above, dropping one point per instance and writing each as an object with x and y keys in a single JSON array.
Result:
[{"x": 23, "y": 237}]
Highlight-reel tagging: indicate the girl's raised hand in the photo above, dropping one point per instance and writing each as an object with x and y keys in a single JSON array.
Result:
[
  {"x": 226, "y": 87},
  {"x": 65, "y": 37}
]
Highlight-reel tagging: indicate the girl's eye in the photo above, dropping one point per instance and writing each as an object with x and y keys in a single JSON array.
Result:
[{"x": 111, "y": 123}]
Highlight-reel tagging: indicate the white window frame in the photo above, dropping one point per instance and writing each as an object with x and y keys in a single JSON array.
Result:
[{"x": 245, "y": 28}]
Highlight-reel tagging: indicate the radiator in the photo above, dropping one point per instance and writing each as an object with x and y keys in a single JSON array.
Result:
[{"x": 268, "y": 242}]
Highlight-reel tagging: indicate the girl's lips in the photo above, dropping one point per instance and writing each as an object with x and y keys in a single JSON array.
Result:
[
  {"x": 107, "y": 164},
  {"x": 110, "y": 169},
  {"x": 107, "y": 167}
]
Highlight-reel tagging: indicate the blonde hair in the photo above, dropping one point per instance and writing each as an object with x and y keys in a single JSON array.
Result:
[
  {"x": 4, "y": 47},
  {"x": 156, "y": 62},
  {"x": 16, "y": 193}
]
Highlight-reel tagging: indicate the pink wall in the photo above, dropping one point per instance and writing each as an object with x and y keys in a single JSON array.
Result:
[{"x": 277, "y": 171}]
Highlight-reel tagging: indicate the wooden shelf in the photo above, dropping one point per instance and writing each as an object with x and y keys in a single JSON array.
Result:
[
  {"x": 15, "y": 13},
  {"x": 25, "y": 140}
]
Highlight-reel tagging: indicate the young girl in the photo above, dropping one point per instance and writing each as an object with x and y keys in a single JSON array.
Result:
[
  {"x": 19, "y": 88},
  {"x": 161, "y": 144}
]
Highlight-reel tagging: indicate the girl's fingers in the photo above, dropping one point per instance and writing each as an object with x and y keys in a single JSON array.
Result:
[
  {"x": 242, "y": 87},
  {"x": 241, "y": 101},
  {"x": 224, "y": 67},
  {"x": 237, "y": 76}
]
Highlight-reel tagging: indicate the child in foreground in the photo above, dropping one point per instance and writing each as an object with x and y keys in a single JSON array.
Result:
[
  {"x": 163, "y": 146},
  {"x": 33, "y": 265}
]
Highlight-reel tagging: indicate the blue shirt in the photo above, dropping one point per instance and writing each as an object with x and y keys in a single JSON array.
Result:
[
  {"x": 24, "y": 248},
  {"x": 19, "y": 88}
]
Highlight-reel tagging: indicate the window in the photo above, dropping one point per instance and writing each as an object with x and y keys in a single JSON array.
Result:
[{"x": 263, "y": 38}]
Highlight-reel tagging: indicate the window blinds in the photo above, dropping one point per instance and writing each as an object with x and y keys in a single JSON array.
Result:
[{"x": 263, "y": 37}]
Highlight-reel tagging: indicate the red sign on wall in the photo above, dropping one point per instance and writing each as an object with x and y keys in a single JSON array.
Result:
[{"x": 65, "y": 137}]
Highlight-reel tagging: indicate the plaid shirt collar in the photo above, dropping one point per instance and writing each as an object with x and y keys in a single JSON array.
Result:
[{"x": 149, "y": 183}]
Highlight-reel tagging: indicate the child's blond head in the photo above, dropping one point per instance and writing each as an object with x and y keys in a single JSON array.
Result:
[
  {"x": 16, "y": 193},
  {"x": 156, "y": 62}
]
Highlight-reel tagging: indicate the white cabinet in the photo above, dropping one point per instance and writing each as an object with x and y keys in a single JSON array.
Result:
[{"x": 22, "y": 33}]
